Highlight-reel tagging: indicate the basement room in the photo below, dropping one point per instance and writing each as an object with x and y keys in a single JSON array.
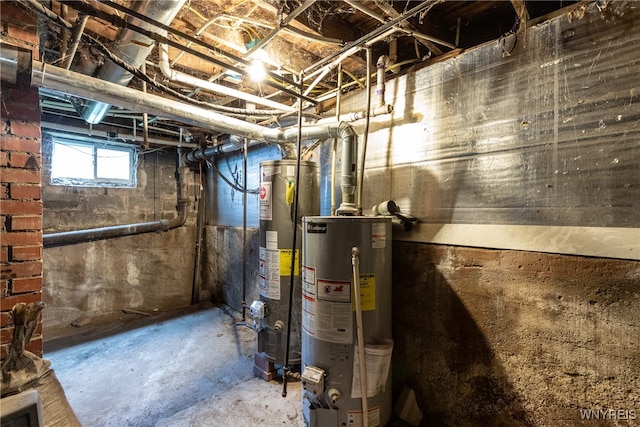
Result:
[{"x": 320, "y": 213}]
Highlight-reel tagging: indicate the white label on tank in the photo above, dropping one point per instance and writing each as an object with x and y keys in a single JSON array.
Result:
[
  {"x": 272, "y": 240},
  {"x": 291, "y": 171},
  {"x": 326, "y": 308},
  {"x": 333, "y": 315},
  {"x": 309, "y": 304},
  {"x": 377, "y": 359},
  {"x": 264, "y": 200},
  {"x": 355, "y": 417},
  {"x": 269, "y": 273},
  {"x": 309, "y": 301},
  {"x": 262, "y": 265},
  {"x": 309, "y": 280},
  {"x": 378, "y": 235}
]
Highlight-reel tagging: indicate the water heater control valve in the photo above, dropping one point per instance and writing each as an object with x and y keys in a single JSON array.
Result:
[
  {"x": 313, "y": 379},
  {"x": 258, "y": 310}
]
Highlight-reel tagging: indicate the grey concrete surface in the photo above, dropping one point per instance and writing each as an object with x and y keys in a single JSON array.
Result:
[{"x": 186, "y": 368}]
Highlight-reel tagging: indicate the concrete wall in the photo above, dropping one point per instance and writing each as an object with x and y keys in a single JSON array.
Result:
[
  {"x": 538, "y": 137},
  {"x": 225, "y": 266},
  {"x": 488, "y": 337},
  {"x": 94, "y": 281}
]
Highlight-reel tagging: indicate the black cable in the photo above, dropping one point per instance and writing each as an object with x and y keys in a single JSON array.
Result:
[
  {"x": 294, "y": 245},
  {"x": 231, "y": 184}
]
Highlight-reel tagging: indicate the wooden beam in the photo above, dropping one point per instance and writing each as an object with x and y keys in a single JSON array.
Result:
[
  {"x": 392, "y": 13},
  {"x": 521, "y": 10}
]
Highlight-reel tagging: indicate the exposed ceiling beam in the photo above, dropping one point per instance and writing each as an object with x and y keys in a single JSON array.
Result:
[
  {"x": 521, "y": 10},
  {"x": 392, "y": 13}
]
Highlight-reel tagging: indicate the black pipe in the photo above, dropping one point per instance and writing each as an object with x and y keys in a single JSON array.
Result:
[
  {"x": 77, "y": 236},
  {"x": 295, "y": 237},
  {"x": 195, "y": 286},
  {"x": 244, "y": 228}
]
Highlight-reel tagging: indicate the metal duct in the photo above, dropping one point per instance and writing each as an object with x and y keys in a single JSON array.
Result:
[{"x": 133, "y": 48}]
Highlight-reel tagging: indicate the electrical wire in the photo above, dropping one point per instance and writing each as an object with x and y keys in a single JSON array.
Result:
[
  {"x": 34, "y": 5},
  {"x": 233, "y": 185}
]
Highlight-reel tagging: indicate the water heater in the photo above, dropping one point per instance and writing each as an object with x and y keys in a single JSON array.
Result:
[
  {"x": 331, "y": 358},
  {"x": 276, "y": 207}
]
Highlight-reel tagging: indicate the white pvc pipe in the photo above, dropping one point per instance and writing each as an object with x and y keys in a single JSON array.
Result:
[
  {"x": 381, "y": 65},
  {"x": 178, "y": 76}
]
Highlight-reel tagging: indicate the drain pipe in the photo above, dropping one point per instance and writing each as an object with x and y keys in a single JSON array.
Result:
[
  {"x": 77, "y": 236},
  {"x": 381, "y": 107},
  {"x": 381, "y": 65},
  {"x": 355, "y": 263}
]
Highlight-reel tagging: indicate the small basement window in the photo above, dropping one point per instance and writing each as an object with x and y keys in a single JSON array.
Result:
[{"x": 92, "y": 164}]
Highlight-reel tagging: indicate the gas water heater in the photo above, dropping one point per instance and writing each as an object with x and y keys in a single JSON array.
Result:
[
  {"x": 331, "y": 357},
  {"x": 276, "y": 206}
]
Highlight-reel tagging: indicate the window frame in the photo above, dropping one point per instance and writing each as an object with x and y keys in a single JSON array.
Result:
[{"x": 95, "y": 145}]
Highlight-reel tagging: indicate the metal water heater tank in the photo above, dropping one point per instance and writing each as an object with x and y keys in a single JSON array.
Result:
[
  {"x": 331, "y": 375},
  {"x": 276, "y": 206}
]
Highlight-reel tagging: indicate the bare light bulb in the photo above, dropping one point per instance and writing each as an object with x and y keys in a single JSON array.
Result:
[{"x": 257, "y": 71}]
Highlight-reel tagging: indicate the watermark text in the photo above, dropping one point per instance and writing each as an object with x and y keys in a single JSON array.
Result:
[{"x": 608, "y": 414}]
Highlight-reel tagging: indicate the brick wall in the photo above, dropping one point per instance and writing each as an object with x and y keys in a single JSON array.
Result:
[{"x": 20, "y": 184}]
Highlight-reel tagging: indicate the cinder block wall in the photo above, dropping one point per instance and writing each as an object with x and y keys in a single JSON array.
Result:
[
  {"x": 20, "y": 184},
  {"x": 91, "y": 282}
]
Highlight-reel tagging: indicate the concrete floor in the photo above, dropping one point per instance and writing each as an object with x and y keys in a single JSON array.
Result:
[{"x": 192, "y": 368}]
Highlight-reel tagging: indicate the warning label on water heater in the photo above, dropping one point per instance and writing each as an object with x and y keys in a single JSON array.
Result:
[
  {"x": 378, "y": 235},
  {"x": 264, "y": 201},
  {"x": 357, "y": 420},
  {"x": 269, "y": 273},
  {"x": 326, "y": 308}
]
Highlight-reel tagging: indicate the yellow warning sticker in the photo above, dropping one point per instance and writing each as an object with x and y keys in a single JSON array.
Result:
[
  {"x": 285, "y": 262},
  {"x": 367, "y": 292}
]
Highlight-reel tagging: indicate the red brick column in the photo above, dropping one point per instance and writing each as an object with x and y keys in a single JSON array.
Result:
[{"x": 20, "y": 184}]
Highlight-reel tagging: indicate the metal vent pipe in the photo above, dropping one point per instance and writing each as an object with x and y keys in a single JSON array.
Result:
[{"x": 133, "y": 48}]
